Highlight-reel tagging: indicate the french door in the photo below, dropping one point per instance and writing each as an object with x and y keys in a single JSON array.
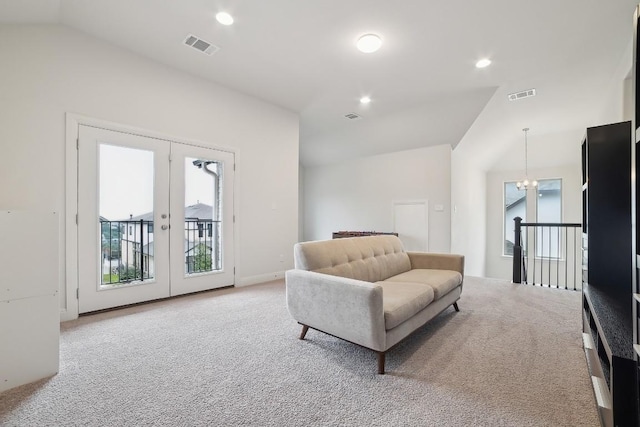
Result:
[{"x": 155, "y": 218}]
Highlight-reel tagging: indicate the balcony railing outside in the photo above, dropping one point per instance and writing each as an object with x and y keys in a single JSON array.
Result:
[
  {"x": 127, "y": 251},
  {"x": 202, "y": 246},
  {"x": 551, "y": 255}
]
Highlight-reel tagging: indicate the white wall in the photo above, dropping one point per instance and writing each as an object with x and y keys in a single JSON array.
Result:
[
  {"x": 301, "y": 202},
  {"x": 628, "y": 100},
  {"x": 468, "y": 226},
  {"x": 359, "y": 194},
  {"x": 618, "y": 105},
  {"x": 500, "y": 266},
  {"x": 48, "y": 71}
]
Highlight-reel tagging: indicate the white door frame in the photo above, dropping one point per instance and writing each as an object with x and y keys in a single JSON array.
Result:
[{"x": 70, "y": 309}]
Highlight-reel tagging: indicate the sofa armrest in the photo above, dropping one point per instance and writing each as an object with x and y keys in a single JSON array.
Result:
[
  {"x": 346, "y": 308},
  {"x": 437, "y": 261}
]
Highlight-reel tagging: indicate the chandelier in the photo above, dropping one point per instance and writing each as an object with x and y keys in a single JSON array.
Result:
[{"x": 525, "y": 184}]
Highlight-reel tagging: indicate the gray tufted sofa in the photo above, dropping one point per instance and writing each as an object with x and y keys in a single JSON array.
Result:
[{"x": 369, "y": 290}]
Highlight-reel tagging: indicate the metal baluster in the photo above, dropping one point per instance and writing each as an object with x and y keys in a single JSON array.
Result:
[
  {"x": 126, "y": 268},
  {"x": 110, "y": 251},
  {"x": 542, "y": 256},
  {"x": 140, "y": 250},
  {"x": 549, "y": 256},
  {"x": 575, "y": 274},
  {"x": 557, "y": 230},
  {"x": 149, "y": 225},
  {"x": 535, "y": 248},
  {"x": 566, "y": 257},
  {"x": 524, "y": 258}
]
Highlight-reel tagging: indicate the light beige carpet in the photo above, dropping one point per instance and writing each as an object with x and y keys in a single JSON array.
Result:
[{"x": 511, "y": 357}]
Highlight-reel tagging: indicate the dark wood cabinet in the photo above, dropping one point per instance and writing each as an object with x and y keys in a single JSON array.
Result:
[
  {"x": 607, "y": 271},
  {"x": 608, "y": 211},
  {"x": 635, "y": 299}
]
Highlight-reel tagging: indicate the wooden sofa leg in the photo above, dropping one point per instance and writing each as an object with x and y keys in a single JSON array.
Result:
[
  {"x": 305, "y": 328},
  {"x": 455, "y": 305},
  {"x": 381, "y": 355}
]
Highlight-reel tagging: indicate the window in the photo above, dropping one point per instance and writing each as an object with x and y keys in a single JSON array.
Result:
[
  {"x": 548, "y": 210},
  {"x": 150, "y": 228},
  {"x": 547, "y": 206},
  {"x": 515, "y": 204}
]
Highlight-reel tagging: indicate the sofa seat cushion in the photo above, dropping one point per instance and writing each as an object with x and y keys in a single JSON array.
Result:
[
  {"x": 442, "y": 281},
  {"x": 401, "y": 301}
]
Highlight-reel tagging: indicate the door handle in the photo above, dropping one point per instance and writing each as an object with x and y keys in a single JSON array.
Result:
[{"x": 164, "y": 227}]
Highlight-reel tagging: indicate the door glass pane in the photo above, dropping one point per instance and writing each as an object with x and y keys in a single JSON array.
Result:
[
  {"x": 202, "y": 216},
  {"x": 126, "y": 215},
  {"x": 515, "y": 204}
]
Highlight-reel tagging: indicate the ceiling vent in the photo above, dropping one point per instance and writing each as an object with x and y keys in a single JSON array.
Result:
[
  {"x": 201, "y": 45},
  {"x": 521, "y": 95},
  {"x": 352, "y": 116}
]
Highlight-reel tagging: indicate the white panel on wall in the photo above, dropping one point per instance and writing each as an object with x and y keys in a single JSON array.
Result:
[
  {"x": 411, "y": 222},
  {"x": 30, "y": 334},
  {"x": 29, "y": 306},
  {"x": 28, "y": 254}
]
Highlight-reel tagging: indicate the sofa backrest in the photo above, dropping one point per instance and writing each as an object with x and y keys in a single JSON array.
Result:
[{"x": 371, "y": 258}]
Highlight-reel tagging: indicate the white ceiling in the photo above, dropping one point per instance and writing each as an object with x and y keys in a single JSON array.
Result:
[{"x": 424, "y": 87}]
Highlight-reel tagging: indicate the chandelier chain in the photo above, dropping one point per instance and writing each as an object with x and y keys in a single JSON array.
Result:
[{"x": 524, "y": 185}]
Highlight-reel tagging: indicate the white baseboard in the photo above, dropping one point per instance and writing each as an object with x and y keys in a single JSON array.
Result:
[
  {"x": 260, "y": 278},
  {"x": 66, "y": 315}
]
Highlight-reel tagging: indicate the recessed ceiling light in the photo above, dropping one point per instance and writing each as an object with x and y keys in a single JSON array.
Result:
[
  {"x": 365, "y": 100},
  {"x": 483, "y": 63},
  {"x": 369, "y": 43},
  {"x": 224, "y": 18}
]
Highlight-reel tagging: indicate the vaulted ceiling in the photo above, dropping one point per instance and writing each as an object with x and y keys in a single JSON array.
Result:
[{"x": 423, "y": 83}]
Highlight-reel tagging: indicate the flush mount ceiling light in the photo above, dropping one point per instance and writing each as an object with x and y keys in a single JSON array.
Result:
[
  {"x": 369, "y": 43},
  {"x": 365, "y": 100},
  {"x": 224, "y": 18},
  {"x": 483, "y": 63}
]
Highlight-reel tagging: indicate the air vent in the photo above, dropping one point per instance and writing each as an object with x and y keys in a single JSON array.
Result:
[
  {"x": 201, "y": 45},
  {"x": 521, "y": 95},
  {"x": 352, "y": 116}
]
